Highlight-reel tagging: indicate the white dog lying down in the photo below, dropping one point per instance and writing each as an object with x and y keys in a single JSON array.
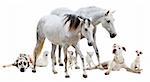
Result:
[
  {"x": 118, "y": 61},
  {"x": 89, "y": 59},
  {"x": 22, "y": 62},
  {"x": 43, "y": 61},
  {"x": 135, "y": 66},
  {"x": 71, "y": 59}
]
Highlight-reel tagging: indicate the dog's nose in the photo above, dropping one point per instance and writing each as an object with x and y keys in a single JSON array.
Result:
[
  {"x": 90, "y": 44},
  {"x": 113, "y": 35},
  {"x": 114, "y": 51},
  {"x": 22, "y": 70}
]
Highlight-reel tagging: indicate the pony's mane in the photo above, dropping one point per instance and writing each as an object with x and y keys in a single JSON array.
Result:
[{"x": 74, "y": 21}]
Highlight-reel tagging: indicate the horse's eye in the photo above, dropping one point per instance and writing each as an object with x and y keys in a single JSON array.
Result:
[
  {"x": 86, "y": 29},
  {"x": 108, "y": 21}
]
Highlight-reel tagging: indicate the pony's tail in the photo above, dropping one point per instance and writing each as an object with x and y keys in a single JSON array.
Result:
[{"x": 39, "y": 33}]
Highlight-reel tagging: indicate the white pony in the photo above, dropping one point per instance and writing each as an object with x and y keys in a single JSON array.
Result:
[
  {"x": 62, "y": 30},
  {"x": 98, "y": 15}
]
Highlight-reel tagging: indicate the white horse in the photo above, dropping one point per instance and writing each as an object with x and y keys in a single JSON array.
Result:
[
  {"x": 62, "y": 30},
  {"x": 98, "y": 15}
]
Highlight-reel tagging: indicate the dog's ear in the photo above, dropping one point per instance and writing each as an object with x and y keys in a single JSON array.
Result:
[
  {"x": 15, "y": 63},
  {"x": 124, "y": 48}
]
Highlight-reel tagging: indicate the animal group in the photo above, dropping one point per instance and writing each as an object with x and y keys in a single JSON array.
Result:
[{"x": 64, "y": 28}]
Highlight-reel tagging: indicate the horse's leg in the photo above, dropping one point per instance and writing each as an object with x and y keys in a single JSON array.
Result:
[
  {"x": 65, "y": 60},
  {"x": 37, "y": 51},
  {"x": 76, "y": 66},
  {"x": 53, "y": 58},
  {"x": 82, "y": 59},
  {"x": 59, "y": 60},
  {"x": 95, "y": 48}
]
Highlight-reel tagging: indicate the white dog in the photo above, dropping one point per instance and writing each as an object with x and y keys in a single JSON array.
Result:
[
  {"x": 43, "y": 61},
  {"x": 71, "y": 59},
  {"x": 118, "y": 61},
  {"x": 135, "y": 66},
  {"x": 89, "y": 59}
]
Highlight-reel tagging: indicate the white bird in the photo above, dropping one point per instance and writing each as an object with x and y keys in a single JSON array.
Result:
[{"x": 43, "y": 61}]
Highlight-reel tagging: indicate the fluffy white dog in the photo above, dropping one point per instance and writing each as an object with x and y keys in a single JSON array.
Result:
[{"x": 43, "y": 61}]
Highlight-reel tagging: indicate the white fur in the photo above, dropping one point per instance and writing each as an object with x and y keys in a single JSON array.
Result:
[
  {"x": 118, "y": 61},
  {"x": 89, "y": 59},
  {"x": 43, "y": 61},
  {"x": 97, "y": 16},
  {"x": 52, "y": 27},
  {"x": 135, "y": 66},
  {"x": 71, "y": 59}
]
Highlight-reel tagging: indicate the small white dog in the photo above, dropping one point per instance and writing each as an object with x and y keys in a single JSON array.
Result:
[
  {"x": 43, "y": 61},
  {"x": 135, "y": 66},
  {"x": 89, "y": 59},
  {"x": 71, "y": 59},
  {"x": 118, "y": 61}
]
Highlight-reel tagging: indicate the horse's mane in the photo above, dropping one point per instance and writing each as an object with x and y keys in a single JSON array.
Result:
[{"x": 74, "y": 21}]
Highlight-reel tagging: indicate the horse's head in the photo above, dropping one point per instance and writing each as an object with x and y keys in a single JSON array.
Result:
[
  {"x": 87, "y": 30},
  {"x": 86, "y": 27},
  {"x": 108, "y": 23}
]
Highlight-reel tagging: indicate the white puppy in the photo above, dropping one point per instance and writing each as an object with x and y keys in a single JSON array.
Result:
[
  {"x": 71, "y": 59},
  {"x": 43, "y": 61},
  {"x": 118, "y": 61},
  {"x": 89, "y": 59},
  {"x": 135, "y": 66}
]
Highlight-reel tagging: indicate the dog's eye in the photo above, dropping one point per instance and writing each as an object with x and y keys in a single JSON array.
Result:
[
  {"x": 86, "y": 29},
  {"x": 20, "y": 63},
  {"x": 119, "y": 48},
  {"x": 24, "y": 63}
]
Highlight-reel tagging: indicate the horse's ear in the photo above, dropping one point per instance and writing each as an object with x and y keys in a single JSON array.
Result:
[
  {"x": 107, "y": 13},
  {"x": 80, "y": 18}
]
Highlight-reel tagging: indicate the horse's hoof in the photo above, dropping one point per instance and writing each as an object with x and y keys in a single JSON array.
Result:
[
  {"x": 33, "y": 71},
  {"x": 107, "y": 73},
  {"x": 67, "y": 76},
  {"x": 85, "y": 76},
  {"x": 61, "y": 64},
  {"x": 77, "y": 67},
  {"x": 55, "y": 63}
]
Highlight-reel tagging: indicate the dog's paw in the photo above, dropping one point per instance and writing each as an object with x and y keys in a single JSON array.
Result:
[
  {"x": 106, "y": 73},
  {"x": 4, "y": 66},
  {"x": 77, "y": 67},
  {"x": 84, "y": 75},
  {"x": 55, "y": 72}
]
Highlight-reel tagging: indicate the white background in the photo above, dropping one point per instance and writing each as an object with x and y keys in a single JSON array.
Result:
[{"x": 18, "y": 21}]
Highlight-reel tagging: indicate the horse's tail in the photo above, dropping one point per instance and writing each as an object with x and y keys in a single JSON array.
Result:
[{"x": 39, "y": 31}]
